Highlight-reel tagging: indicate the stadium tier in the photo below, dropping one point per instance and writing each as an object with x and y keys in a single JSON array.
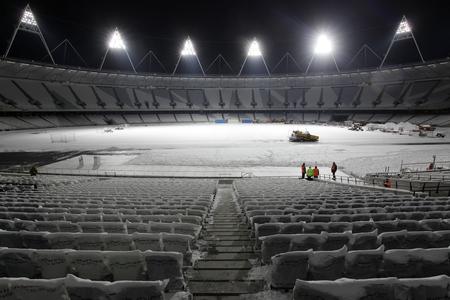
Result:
[{"x": 38, "y": 96}]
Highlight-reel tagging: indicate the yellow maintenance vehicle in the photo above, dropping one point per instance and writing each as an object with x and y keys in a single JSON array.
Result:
[{"x": 300, "y": 136}]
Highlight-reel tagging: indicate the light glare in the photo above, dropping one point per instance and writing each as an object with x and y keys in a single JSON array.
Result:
[
  {"x": 28, "y": 18},
  {"x": 116, "y": 41},
  {"x": 188, "y": 49},
  {"x": 254, "y": 49},
  {"x": 323, "y": 45},
  {"x": 403, "y": 28}
]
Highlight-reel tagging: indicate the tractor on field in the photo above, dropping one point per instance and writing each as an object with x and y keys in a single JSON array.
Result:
[{"x": 300, "y": 136}]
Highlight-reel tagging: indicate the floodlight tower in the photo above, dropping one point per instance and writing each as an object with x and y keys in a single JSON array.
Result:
[
  {"x": 188, "y": 51},
  {"x": 29, "y": 24},
  {"x": 254, "y": 51},
  {"x": 116, "y": 43},
  {"x": 323, "y": 47},
  {"x": 403, "y": 32}
]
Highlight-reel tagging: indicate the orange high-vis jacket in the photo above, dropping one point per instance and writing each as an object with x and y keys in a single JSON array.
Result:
[{"x": 316, "y": 172}]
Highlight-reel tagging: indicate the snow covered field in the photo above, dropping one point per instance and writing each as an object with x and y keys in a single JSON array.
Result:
[{"x": 262, "y": 149}]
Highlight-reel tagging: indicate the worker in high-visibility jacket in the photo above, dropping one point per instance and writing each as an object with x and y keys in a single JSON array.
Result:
[
  {"x": 316, "y": 172},
  {"x": 309, "y": 173}
]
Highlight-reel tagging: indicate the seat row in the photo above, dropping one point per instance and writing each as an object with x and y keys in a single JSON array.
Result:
[
  {"x": 99, "y": 241},
  {"x": 282, "y": 243},
  {"x": 354, "y": 203},
  {"x": 390, "y": 288},
  {"x": 94, "y": 265},
  {"x": 359, "y": 264},
  {"x": 100, "y": 227},
  {"x": 267, "y": 229},
  {"x": 345, "y": 211},
  {"x": 80, "y": 217},
  {"x": 292, "y": 218}
]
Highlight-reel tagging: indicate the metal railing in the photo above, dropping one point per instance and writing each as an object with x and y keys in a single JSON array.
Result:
[{"x": 343, "y": 179}]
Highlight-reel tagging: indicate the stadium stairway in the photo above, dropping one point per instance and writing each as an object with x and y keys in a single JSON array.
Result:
[{"x": 224, "y": 272}]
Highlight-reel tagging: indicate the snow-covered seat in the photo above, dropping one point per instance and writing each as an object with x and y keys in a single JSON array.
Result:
[
  {"x": 327, "y": 265},
  {"x": 275, "y": 244},
  {"x": 80, "y": 289},
  {"x": 261, "y": 219},
  {"x": 89, "y": 265},
  {"x": 11, "y": 239},
  {"x": 136, "y": 227},
  {"x": 431, "y": 224},
  {"x": 441, "y": 238},
  {"x": 267, "y": 229},
  {"x": 56, "y": 217},
  {"x": 360, "y": 217},
  {"x": 62, "y": 240},
  {"x": 187, "y": 228},
  {"x": 111, "y": 217},
  {"x": 365, "y": 240},
  {"x": 292, "y": 228},
  {"x": 118, "y": 242},
  {"x": 114, "y": 227},
  {"x": 136, "y": 290},
  {"x": 24, "y": 288},
  {"x": 52, "y": 263},
  {"x": 398, "y": 262},
  {"x": 419, "y": 239},
  {"x": 386, "y": 226},
  {"x": 156, "y": 227},
  {"x": 92, "y": 217},
  {"x": 49, "y": 226},
  {"x": 303, "y": 242},
  {"x": 426, "y": 288},
  {"x": 334, "y": 241},
  {"x": 147, "y": 241},
  {"x": 393, "y": 240},
  {"x": 66, "y": 226},
  {"x": 177, "y": 243},
  {"x": 433, "y": 261},
  {"x": 25, "y": 225},
  {"x": 7, "y": 225},
  {"x": 409, "y": 225},
  {"x": 126, "y": 265},
  {"x": 35, "y": 240},
  {"x": 346, "y": 289},
  {"x": 417, "y": 215},
  {"x": 363, "y": 226},
  {"x": 360, "y": 264},
  {"x": 301, "y": 218},
  {"x": 91, "y": 227},
  {"x": 18, "y": 263},
  {"x": 165, "y": 265},
  {"x": 315, "y": 227},
  {"x": 321, "y": 218},
  {"x": 287, "y": 267},
  {"x": 90, "y": 241},
  {"x": 340, "y": 227}
]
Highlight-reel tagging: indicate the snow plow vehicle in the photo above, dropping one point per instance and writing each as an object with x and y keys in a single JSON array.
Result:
[{"x": 300, "y": 136}]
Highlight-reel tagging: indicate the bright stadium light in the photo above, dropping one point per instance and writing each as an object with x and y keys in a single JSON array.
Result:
[
  {"x": 403, "y": 27},
  {"x": 188, "y": 49},
  {"x": 324, "y": 45},
  {"x": 28, "y": 18},
  {"x": 116, "y": 41},
  {"x": 254, "y": 50}
]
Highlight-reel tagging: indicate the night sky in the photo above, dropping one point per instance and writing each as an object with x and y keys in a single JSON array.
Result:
[{"x": 226, "y": 27}]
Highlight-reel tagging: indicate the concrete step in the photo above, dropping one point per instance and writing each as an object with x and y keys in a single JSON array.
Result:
[
  {"x": 226, "y": 226},
  {"x": 231, "y": 256},
  {"x": 215, "y": 237},
  {"x": 225, "y": 288},
  {"x": 228, "y": 231},
  {"x": 234, "y": 249},
  {"x": 219, "y": 297},
  {"x": 217, "y": 275},
  {"x": 218, "y": 243},
  {"x": 223, "y": 264}
]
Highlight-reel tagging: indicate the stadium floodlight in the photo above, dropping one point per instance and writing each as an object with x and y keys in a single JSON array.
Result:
[
  {"x": 403, "y": 27},
  {"x": 254, "y": 50},
  {"x": 28, "y": 17},
  {"x": 188, "y": 49},
  {"x": 403, "y": 32},
  {"x": 116, "y": 41},
  {"x": 324, "y": 45},
  {"x": 28, "y": 23}
]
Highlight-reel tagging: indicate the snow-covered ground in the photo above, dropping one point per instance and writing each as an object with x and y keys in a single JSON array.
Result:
[{"x": 262, "y": 149}]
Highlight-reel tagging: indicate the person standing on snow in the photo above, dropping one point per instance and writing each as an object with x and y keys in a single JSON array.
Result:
[
  {"x": 316, "y": 172},
  {"x": 333, "y": 170},
  {"x": 303, "y": 167},
  {"x": 309, "y": 173}
]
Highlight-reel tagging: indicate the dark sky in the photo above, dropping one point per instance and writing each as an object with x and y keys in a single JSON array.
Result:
[{"x": 226, "y": 27}]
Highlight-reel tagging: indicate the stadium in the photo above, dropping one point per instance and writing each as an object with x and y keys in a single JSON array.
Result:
[{"x": 133, "y": 183}]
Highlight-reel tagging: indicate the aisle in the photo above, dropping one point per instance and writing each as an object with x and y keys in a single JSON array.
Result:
[{"x": 222, "y": 274}]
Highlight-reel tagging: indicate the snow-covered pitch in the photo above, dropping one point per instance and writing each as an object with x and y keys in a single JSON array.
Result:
[{"x": 227, "y": 149}]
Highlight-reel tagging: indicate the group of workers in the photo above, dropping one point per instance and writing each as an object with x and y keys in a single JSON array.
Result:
[{"x": 311, "y": 173}]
